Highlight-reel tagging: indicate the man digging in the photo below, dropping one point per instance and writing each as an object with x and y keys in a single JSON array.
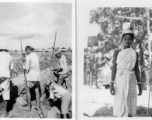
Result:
[
  {"x": 6, "y": 71},
  {"x": 32, "y": 79},
  {"x": 57, "y": 92},
  {"x": 61, "y": 72}
]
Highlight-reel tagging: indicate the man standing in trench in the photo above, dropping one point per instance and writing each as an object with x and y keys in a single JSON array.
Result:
[{"x": 32, "y": 71}]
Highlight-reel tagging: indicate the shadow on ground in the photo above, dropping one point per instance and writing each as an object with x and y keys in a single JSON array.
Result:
[
  {"x": 17, "y": 112},
  {"x": 108, "y": 112}
]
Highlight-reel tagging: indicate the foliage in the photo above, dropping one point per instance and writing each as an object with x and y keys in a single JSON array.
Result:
[{"x": 110, "y": 34}]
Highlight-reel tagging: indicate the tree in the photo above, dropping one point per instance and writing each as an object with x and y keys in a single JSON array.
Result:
[{"x": 110, "y": 27}]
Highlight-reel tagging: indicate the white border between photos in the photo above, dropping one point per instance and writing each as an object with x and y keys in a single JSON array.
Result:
[
  {"x": 73, "y": 52},
  {"x": 81, "y": 6}
]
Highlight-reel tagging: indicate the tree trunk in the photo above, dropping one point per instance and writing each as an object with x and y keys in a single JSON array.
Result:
[{"x": 143, "y": 76}]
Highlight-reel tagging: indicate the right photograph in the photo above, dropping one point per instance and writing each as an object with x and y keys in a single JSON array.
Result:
[{"x": 117, "y": 62}]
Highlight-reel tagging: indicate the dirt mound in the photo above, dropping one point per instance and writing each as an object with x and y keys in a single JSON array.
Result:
[
  {"x": 17, "y": 112},
  {"x": 18, "y": 85},
  {"x": 108, "y": 112}
]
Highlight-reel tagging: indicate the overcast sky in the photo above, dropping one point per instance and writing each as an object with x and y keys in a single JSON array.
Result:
[
  {"x": 36, "y": 24},
  {"x": 92, "y": 29}
]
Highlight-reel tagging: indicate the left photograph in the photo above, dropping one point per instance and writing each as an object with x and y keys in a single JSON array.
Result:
[{"x": 36, "y": 60}]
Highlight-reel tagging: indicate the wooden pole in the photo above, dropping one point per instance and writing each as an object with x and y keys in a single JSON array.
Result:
[
  {"x": 54, "y": 43},
  {"x": 133, "y": 18},
  {"x": 149, "y": 45},
  {"x": 148, "y": 32},
  {"x": 21, "y": 46},
  {"x": 92, "y": 66}
]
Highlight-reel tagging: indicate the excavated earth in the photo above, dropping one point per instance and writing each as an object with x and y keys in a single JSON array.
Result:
[{"x": 18, "y": 85}]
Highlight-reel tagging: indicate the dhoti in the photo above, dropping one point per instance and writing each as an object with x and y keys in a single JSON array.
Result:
[{"x": 5, "y": 84}]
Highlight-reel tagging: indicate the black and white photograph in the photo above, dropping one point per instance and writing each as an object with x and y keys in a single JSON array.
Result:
[
  {"x": 36, "y": 59},
  {"x": 116, "y": 78}
]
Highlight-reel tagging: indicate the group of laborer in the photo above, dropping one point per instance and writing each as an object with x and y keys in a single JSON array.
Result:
[{"x": 32, "y": 80}]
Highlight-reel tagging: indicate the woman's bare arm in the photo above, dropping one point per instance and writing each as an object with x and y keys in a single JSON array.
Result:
[
  {"x": 114, "y": 67},
  {"x": 151, "y": 72},
  {"x": 137, "y": 73}
]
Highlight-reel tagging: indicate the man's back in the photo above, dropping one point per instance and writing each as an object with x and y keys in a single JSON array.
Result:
[
  {"x": 63, "y": 64},
  {"x": 57, "y": 90},
  {"x": 33, "y": 62},
  {"x": 32, "y": 66},
  {"x": 5, "y": 64}
]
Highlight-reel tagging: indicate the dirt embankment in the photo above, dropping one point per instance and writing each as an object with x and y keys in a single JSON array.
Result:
[{"x": 17, "y": 85}]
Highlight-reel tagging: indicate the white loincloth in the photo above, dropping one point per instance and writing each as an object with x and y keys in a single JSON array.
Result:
[{"x": 6, "y": 86}]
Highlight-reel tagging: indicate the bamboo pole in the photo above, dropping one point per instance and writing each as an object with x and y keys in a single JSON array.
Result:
[
  {"x": 149, "y": 45},
  {"x": 54, "y": 43},
  {"x": 133, "y": 18},
  {"x": 21, "y": 46}
]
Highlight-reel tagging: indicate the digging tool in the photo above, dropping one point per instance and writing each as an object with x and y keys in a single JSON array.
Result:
[
  {"x": 22, "y": 55},
  {"x": 54, "y": 44},
  {"x": 23, "y": 63},
  {"x": 149, "y": 99}
]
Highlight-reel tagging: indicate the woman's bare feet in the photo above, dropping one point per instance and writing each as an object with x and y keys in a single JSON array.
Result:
[{"x": 129, "y": 115}]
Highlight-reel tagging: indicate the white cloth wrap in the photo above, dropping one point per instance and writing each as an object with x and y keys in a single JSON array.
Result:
[
  {"x": 125, "y": 84},
  {"x": 6, "y": 86}
]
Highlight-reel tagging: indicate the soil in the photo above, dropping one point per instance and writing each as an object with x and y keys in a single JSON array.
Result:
[
  {"x": 100, "y": 103},
  {"x": 17, "y": 85}
]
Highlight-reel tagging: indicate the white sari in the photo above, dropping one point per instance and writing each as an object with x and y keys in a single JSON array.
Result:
[{"x": 125, "y": 84}]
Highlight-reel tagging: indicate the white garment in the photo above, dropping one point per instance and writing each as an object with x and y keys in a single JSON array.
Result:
[
  {"x": 6, "y": 86},
  {"x": 125, "y": 84},
  {"x": 57, "y": 91},
  {"x": 6, "y": 64},
  {"x": 63, "y": 64},
  {"x": 32, "y": 66}
]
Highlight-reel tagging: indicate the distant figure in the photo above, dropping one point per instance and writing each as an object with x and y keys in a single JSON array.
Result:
[
  {"x": 62, "y": 71},
  {"x": 125, "y": 76},
  {"x": 32, "y": 49},
  {"x": 32, "y": 78},
  {"x": 23, "y": 57},
  {"x": 6, "y": 71},
  {"x": 88, "y": 75},
  {"x": 57, "y": 92}
]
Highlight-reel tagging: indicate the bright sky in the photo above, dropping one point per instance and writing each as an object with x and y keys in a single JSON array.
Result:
[
  {"x": 92, "y": 29},
  {"x": 36, "y": 24}
]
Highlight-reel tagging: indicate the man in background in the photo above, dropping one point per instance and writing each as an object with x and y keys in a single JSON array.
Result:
[
  {"x": 6, "y": 71},
  {"x": 62, "y": 71}
]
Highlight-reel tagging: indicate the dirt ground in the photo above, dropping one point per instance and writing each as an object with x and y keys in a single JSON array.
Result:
[
  {"x": 16, "y": 86},
  {"x": 100, "y": 103}
]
